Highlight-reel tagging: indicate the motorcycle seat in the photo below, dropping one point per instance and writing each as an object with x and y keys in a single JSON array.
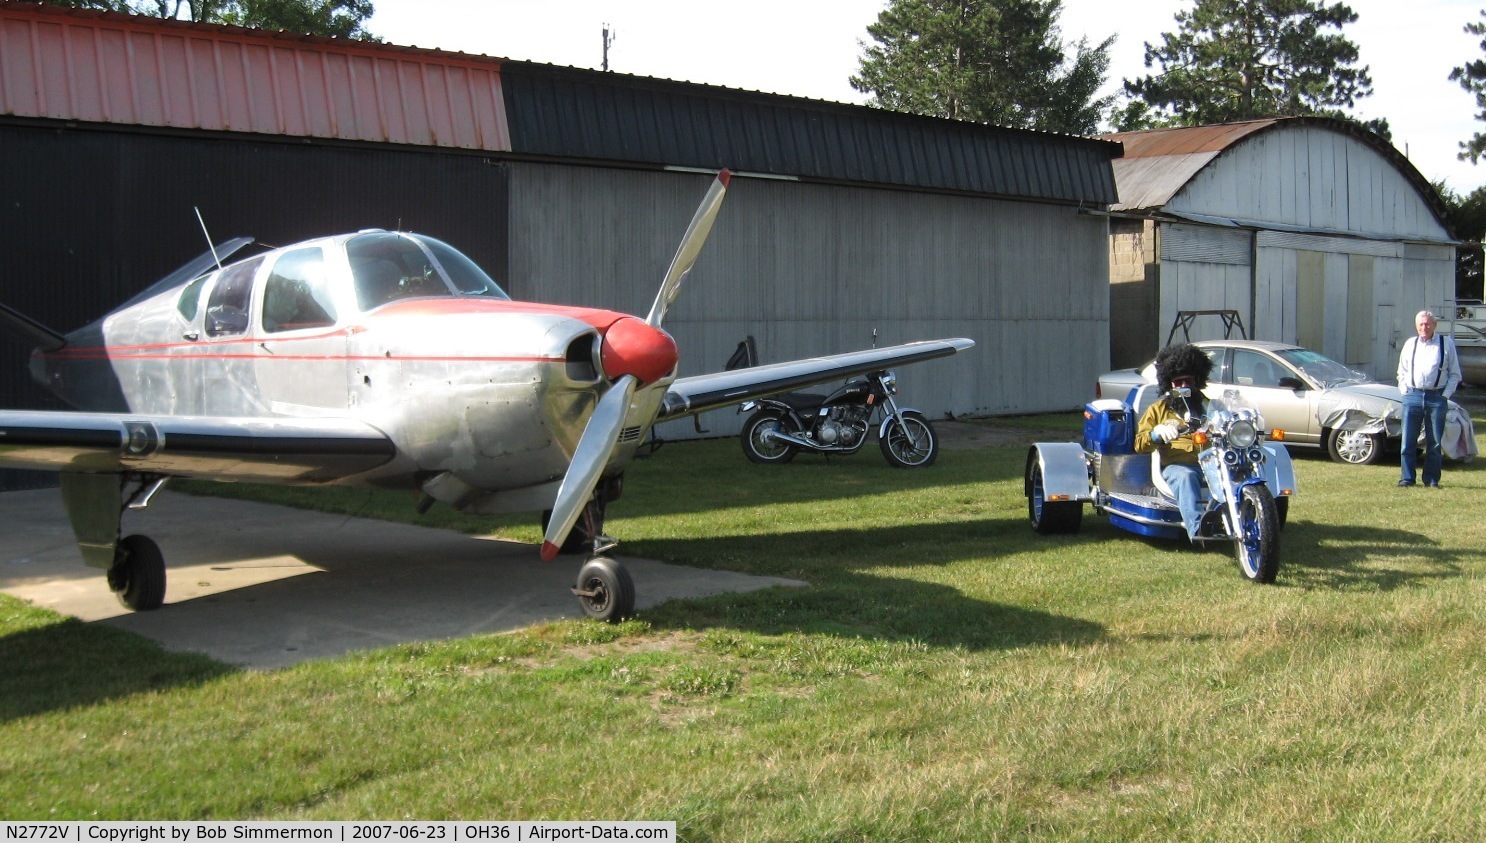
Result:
[{"x": 802, "y": 400}]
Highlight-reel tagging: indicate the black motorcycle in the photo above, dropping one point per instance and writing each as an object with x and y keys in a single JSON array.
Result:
[{"x": 784, "y": 425}]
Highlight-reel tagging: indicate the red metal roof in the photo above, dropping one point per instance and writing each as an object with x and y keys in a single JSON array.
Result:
[
  {"x": 1198, "y": 139},
  {"x": 106, "y": 67},
  {"x": 109, "y": 69}
]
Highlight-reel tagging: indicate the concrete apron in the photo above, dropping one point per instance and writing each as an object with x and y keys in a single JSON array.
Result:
[{"x": 267, "y": 586}]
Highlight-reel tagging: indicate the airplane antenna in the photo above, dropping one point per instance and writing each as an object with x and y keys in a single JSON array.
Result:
[{"x": 208, "y": 234}]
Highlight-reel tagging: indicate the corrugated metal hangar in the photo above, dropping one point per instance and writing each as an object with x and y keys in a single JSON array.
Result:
[
  {"x": 1316, "y": 231},
  {"x": 846, "y": 224}
]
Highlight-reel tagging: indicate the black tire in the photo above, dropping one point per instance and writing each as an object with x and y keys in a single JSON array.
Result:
[
  {"x": 1257, "y": 545},
  {"x": 137, "y": 577},
  {"x": 766, "y": 451},
  {"x": 1049, "y": 517},
  {"x": 1354, "y": 447},
  {"x": 911, "y": 444},
  {"x": 605, "y": 590}
]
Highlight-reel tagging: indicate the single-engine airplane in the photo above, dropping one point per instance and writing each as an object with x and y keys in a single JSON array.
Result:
[{"x": 375, "y": 359}]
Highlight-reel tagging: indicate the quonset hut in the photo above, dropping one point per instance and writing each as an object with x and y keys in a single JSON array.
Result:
[
  {"x": 845, "y": 225},
  {"x": 1315, "y": 231}
]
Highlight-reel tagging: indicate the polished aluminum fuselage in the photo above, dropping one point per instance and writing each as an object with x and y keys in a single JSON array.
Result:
[{"x": 483, "y": 399}]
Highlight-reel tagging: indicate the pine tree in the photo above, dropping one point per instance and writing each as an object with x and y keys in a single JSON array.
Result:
[
  {"x": 1235, "y": 60},
  {"x": 1472, "y": 77},
  {"x": 992, "y": 61},
  {"x": 340, "y": 18}
]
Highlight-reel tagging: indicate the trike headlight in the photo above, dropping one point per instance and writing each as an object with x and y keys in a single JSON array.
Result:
[{"x": 1242, "y": 434}]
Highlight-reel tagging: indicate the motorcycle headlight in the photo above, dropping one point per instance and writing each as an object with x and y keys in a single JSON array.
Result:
[
  {"x": 1242, "y": 434},
  {"x": 1256, "y": 455},
  {"x": 890, "y": 383},
  {"x": 1231, "y": 457}
]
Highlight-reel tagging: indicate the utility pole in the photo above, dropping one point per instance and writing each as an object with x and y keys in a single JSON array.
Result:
[{"x": 608, "y": 39}]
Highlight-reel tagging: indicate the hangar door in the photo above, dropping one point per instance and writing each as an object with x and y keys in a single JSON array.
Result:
[{"x": 1334, "y": 306}]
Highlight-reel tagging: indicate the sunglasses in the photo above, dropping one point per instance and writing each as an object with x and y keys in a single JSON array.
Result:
[{"x": 1184, "y": 381}]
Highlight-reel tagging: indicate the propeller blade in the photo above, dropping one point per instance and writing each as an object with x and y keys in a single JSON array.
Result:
[
  {"x": 594, "y": 449},
  {"x": 691, "y": 246}
]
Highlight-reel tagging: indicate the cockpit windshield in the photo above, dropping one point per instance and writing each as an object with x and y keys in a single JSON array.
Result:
[{"x": 389, "y": 266}]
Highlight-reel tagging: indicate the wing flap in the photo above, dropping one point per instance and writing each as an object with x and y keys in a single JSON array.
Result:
[
  {"x": 216, "y": 448},
  {"x": 701, "y": 393}
]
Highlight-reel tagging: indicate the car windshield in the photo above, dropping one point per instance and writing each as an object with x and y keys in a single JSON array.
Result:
[{"x": 1320, "y": 368}]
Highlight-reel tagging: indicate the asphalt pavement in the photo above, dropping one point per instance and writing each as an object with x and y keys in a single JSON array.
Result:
[{"x": 268, "y": 586}]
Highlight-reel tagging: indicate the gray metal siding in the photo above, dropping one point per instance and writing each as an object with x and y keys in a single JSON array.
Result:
[
  {"x": 1311, "y": 177},
  {"x": 810, "y": 269}
]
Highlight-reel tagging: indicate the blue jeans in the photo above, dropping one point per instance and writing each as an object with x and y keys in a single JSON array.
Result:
[
  {"x": 1423, "y": 409},
  {"x": 1186, "y": 483}
]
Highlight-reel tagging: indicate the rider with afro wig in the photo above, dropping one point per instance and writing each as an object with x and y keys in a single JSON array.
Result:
[{"x": 1181, "y": 372}]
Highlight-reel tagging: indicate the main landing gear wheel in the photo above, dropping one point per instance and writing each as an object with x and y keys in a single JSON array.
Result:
[
  {"x": 138, "y": 574},
  {"x": 605, "y": 590},
  {"x": 1258, "y": 542}
]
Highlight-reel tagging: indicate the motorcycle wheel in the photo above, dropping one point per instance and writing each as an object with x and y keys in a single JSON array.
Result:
[
  {"x": 911, "y": 444},
  {"x": 1257, "y": 545},
  {"x": 1049, "y": 517},
  {"x": 758, "y": 447}
]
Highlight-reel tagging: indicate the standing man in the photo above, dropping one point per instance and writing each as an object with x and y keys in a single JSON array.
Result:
[{"x": 1428, "y": 374}]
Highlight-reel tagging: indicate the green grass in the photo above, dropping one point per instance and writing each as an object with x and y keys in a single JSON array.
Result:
[{"x": 947, "y": 676}]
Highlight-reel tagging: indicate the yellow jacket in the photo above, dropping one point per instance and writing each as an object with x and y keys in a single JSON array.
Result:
[{"x": 1183, "y": 449}]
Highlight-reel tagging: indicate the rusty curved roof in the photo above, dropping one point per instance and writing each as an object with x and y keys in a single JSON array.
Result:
[{"x": 1158, "y": 163}]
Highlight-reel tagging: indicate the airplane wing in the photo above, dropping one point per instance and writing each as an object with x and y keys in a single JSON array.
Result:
[
  {"x": 700, "y": 393},
  {"x": 215, "y": 448}
]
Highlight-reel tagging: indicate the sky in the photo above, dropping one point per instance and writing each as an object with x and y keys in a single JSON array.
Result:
[{"x": 810, "y": 48}]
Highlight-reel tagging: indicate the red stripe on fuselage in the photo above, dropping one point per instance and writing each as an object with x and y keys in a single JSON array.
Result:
[
  {"x": 439, "y": 306},
  {"x": 598, "y": 319}
]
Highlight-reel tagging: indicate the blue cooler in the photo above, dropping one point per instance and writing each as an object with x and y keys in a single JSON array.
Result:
[{"x": 1109, "y": 427}]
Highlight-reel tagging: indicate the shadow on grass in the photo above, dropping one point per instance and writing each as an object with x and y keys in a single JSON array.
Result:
[
  {"x": 847, "y": 599},
  {"x": 70, "y": 664},
  {"x": 872, "y": 607},
  {"x": 1348, "y": 557}
]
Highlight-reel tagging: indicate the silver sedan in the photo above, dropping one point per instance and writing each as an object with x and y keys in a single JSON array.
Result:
[{"x": 1315, "y": 400}]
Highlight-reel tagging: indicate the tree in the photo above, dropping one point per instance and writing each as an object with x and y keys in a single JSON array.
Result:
[
  {"x": 1235, "y": 60},
  {"x": 993, "y": 61},
  {"x": 339, "y": 18},
  {"x": 1472, "y": 77}
]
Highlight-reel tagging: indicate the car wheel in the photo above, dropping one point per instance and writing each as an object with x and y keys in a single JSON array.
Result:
[{"x": 1355, "y": 447}]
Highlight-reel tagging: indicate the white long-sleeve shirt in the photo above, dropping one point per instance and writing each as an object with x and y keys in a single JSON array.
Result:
[{"x": 1429, "y": 364}]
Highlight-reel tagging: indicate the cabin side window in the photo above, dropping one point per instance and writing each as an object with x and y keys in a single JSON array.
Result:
[
  {"x": 296, "y": 295},
  {"x": 227, "y": 306},
  {"x": 190, "y": 301}
]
